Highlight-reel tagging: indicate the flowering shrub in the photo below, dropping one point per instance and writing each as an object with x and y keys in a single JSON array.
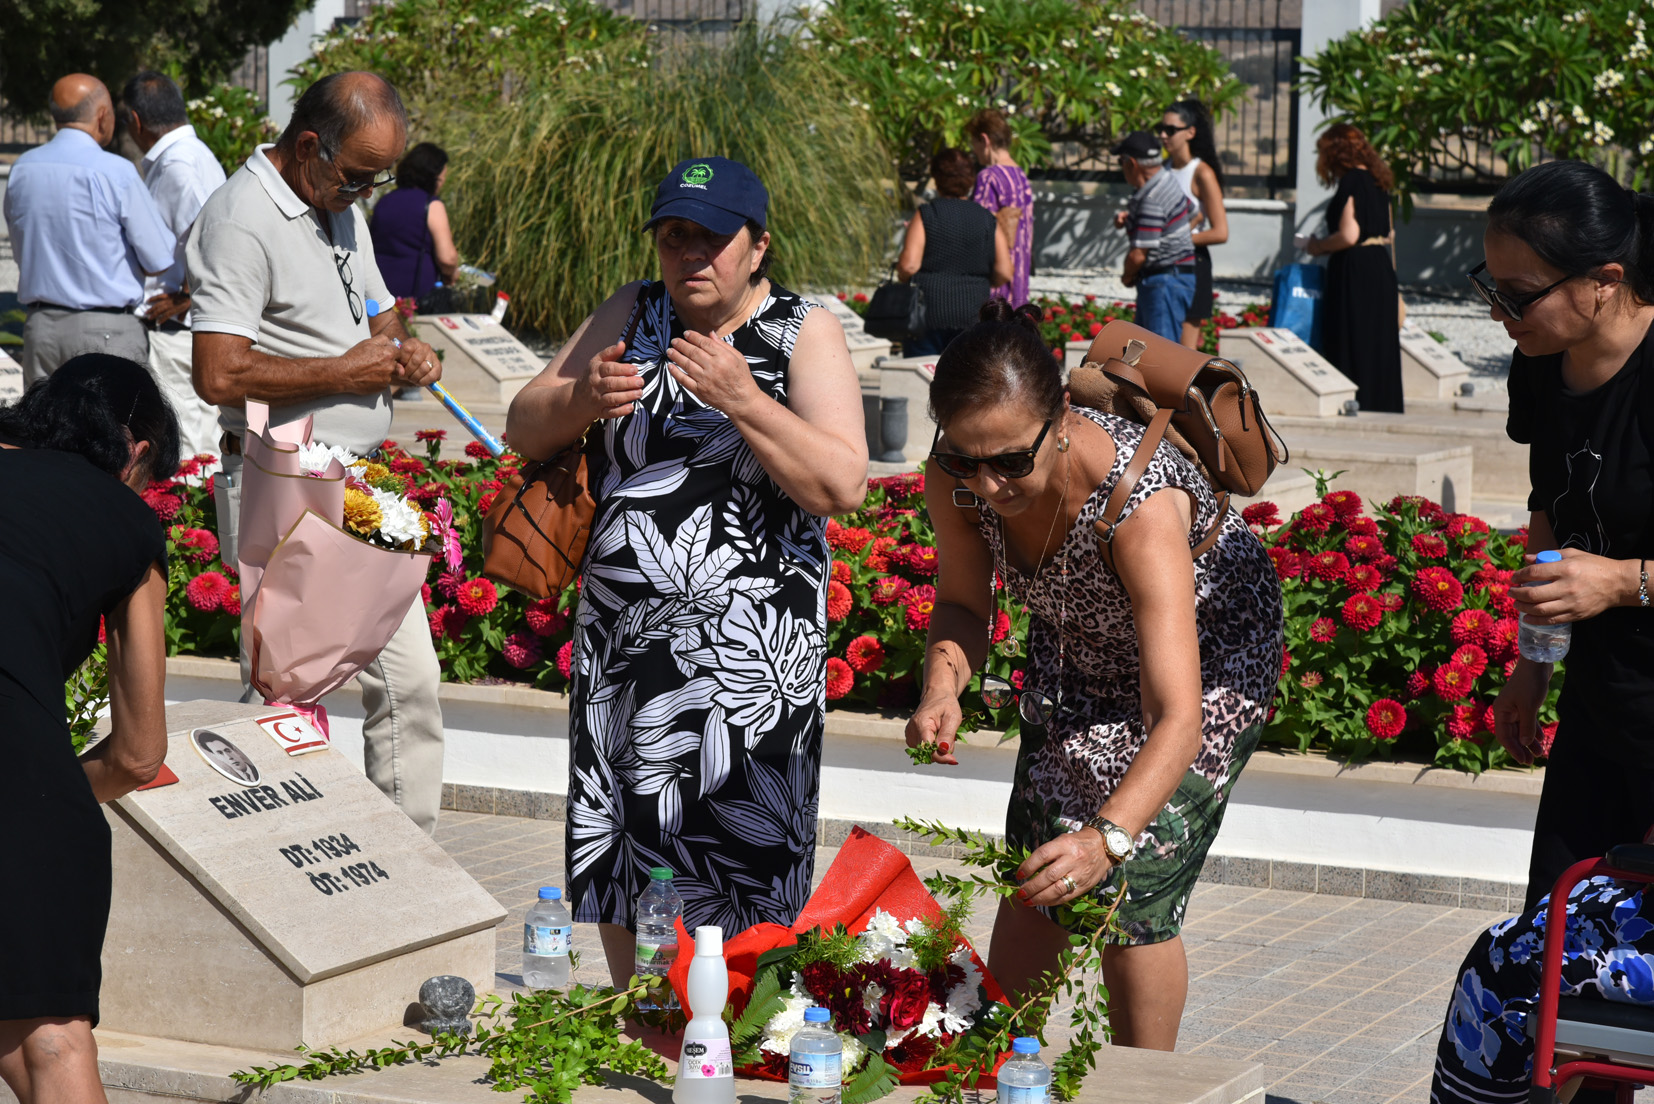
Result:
[
  {"x": 1400, "y": 630},
  {"x": 232, "y": 123}
]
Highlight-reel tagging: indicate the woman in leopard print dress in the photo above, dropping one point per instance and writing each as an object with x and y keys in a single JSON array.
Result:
[{"x": 1159, "y": 668}]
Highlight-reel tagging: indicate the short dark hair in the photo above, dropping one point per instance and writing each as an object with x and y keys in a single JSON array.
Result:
[
  {"x": 420, "y": 167},
  {"x": 991, "y": 124},
  {"x": 1000, "y": 358},
  {"x": 88, "y": 407},
  {"x": 155, "y": 99},
  {"x": 954, "y": 172},
  {"x": 1577, "y": 218},
  {"x": 339, "y": 105},
  {"x": 754, "y": 231}
]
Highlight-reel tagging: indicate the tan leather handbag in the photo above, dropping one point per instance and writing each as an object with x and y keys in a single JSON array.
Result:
[
  {"x": 1204, "y": 405},
  {"x": 535, "y": 534}
]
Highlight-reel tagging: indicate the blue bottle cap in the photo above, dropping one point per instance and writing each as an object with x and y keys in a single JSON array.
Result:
[
  {"x": 372, "y": 307},
  {"x": 550, "y": 893},
  {"x": 1550, "y": 555},
  {"x": 1026, "y": 1044},
  {"x": 817, "y": 1015}
]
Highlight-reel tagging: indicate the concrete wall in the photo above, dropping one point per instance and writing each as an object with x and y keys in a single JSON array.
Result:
[
  {"x": 1074, "y": 228},
  {"x": 292, "y": 48}
]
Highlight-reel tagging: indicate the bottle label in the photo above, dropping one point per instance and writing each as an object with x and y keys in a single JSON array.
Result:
[
  {"x": 816, "y": 1071},
  {"x": 540, "y": 939},
  {"x": 705, "y": 1058},
  {"x": 1022, "y": 1094},
  {"x": 656, "y": 954}
]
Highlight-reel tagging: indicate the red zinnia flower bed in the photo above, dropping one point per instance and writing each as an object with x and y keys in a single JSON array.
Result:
[
  {"x": 1504, "y": 639},
  {"x": 1315, "y": 518},
  {"x": 1345, "y": 504},
  {"x": 1363, "y": 548},
  {"x": 1430, "y": 546},
  {"x": 865, "y": 654},
  {"x": 1471, "y": 658},
  {"x": 839, "y": 678},
  {"x": 1262, "y": 513},
  {"x": 543, "y": 617},
  {"x": 1417, "y": 683},
  {"x": 1323, "y": 630},
  {"x": 841, "y": 572},
  {"x": 889, "y": 588},
  {"x": 1287, "y": 562},
  {"x": 565, "y": 659},
  {"x": 476, "y": 451},
  {"x": 231, "y": 602},
  {"x": 1471, "y": 627},
  {"x": 206, "y": 591},
  {"x": 1364, "y": 578},
  {"x": 847, "y": 538},
  {"x": 1329, "y": 567},
  {"x": 1464, "y": 721},
  {"x": 921, "y": 559},
  {"x": 921, "y": 603},
  {"x": 1386, "y": 719},
  {"x": 521, "y": 650}
]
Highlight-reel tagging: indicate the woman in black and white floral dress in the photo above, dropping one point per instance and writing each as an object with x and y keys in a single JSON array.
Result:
[
  {"x": 1156, "y": 667},
  {"x": 728, "y": 426}
]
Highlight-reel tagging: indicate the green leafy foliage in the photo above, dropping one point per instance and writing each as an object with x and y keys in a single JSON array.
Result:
[
  {"x": 1069, "y": 74},
  {"x": 11, "y": 327},
  {"x": 1437, "y": 81},
  {"x": 874, "y": 1080},
  {"x": 198, "y": 42},
  {"x": 549, "y": 1042},
  {"x": 232, "y": 123},
  {"x": 86, "y": 695}
]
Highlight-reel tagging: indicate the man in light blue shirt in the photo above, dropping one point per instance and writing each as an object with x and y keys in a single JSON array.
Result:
[
  {"x": 180, "y": 173},
  {"x": 85, "y": 233}
]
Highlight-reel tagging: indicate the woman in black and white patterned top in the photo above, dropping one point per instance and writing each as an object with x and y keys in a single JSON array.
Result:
[
  {"x": 725, "y": 426},
  {"x": 1150, "y": 670}
]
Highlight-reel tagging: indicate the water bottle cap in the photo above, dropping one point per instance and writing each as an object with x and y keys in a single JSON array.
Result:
[
  {"x": 550, "y": 893},
  {"x": 1550, "y": 555},
  {"x": 661, "y": 873},
  {"x": 1027, "y": 1044},
  {"x": 709, "y": 941},
  {"x": 817, "y": 1015},
  {"x": 372, "y": 307}
]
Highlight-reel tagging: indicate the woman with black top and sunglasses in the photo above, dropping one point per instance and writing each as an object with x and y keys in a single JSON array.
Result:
[
  {"x": 1570, "y": 273},
  {"x": 1149, "y": 674}
]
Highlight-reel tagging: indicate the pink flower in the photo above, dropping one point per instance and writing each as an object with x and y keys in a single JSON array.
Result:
[
  {"x": 521, "y": 650},
  {"x": 565, "y": 658},
  {"x": 452, "y": 554},
  {"x": 206, "y": 591},
  {"x": 543, "y": 617},
  {"x": 1322, "y": 630},
  {"x": 840, "y": 678}
]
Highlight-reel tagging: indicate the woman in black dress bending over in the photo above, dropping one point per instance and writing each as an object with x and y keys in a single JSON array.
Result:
[
  {"x": 1570, "y": 273},
  {"x": 1361, "y": 330},
  {"x": 77, "y": 546}
]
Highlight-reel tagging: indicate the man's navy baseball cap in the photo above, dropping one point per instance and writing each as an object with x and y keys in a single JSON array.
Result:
[
  {"x": 1139, "y": 145},
  {"x": 715, "y": 192}
]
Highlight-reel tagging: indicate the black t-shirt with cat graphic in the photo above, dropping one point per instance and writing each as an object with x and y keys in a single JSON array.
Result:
[{"x": 1590, "y": 469}]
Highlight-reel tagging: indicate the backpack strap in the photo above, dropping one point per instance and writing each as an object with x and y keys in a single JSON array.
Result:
[{"x": 1110, "y": 520}]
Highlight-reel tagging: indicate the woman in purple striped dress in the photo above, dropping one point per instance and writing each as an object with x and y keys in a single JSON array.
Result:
[{"x": 1002, "y": 187}]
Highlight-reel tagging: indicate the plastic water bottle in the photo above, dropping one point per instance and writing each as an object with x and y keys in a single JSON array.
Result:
[
  {"x": 546, "y": 936},
  {"x": 706, "y": 1072},
  {"x": 658, "y": 909},
  {"x": 1544, "y": 643},
  {"x": 501, "y": 302},
  {"x": 815, "y": 1068},
  {"x": 1024, "y": 1079},
  {"x": 477, "y": 275}
]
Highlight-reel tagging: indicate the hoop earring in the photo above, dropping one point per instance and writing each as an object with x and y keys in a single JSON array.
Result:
[{"x": 1062, "y": 444}]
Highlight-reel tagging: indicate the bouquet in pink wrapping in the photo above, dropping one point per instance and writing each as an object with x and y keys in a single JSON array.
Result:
[{"x": 332, "y": 556}]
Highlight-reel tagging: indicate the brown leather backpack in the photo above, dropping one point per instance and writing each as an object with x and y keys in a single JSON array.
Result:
[{"x": 1203, "y": 405}]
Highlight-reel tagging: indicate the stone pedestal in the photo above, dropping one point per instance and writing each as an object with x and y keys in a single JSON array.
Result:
[
  {"x": 266, "y": 899},
  {"x": 909, "y": 378},
  {"x": 481, "y": 361},
  {"x": 1291, "y": 378},
  {"x": 1428, "y": 369}
]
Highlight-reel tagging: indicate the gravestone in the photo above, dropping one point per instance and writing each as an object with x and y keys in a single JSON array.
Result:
[
  {"x": 865, "y": 349},
  {"x": 272, "y": 896},
  {"x": 481, "y": 361},
  {"x": 1291, "y": 377},
  {"x": 11, "y": 379},
  {"x": 1429, "y": 370}
]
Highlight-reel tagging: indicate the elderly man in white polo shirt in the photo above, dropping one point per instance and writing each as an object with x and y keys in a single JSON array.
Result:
[{"x": 282, "y": 268}]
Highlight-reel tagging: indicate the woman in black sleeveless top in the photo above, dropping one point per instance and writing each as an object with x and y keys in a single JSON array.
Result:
[
  {"x": 79, "y": 547},
  {"x": 954, "y": 252}
]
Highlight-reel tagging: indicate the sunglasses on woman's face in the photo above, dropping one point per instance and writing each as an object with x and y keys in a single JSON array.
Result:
[
  {"x": 1012, "y": 465},
  {"x": 1511, "y": 306},
  {"x": 1033, "y": 707},
  {"x": 1165, "y": 130}
]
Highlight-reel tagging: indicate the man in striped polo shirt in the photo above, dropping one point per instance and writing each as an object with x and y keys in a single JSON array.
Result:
[{"x": 1161, "y": 263}]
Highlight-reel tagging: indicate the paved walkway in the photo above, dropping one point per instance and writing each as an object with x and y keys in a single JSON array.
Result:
[{"x": 1341, "y": 998}]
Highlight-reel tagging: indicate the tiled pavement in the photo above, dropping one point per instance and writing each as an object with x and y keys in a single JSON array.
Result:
[{"x": 1341, "y": 998}]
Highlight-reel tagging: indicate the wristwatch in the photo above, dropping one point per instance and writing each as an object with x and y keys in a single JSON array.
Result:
[{"x": 1116, "y": 840}]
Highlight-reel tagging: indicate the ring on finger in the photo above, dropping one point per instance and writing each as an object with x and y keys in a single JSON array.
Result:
[{"x": 1069, "y": 885}]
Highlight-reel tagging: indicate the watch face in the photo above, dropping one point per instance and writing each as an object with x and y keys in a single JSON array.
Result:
[{"x": 1117, "y": 841}]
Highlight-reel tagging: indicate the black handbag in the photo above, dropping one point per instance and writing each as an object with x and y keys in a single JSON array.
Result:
[{"x": 896, "y": 312}]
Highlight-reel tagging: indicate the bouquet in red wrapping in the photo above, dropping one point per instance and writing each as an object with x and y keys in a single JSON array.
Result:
[{"x": 874, "y": 948}]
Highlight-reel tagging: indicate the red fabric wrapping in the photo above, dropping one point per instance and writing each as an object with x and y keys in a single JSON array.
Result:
[{"x": 868, "y": 875}]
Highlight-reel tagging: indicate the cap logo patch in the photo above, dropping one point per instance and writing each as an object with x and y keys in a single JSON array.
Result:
[{"x": 698, "y": 175}]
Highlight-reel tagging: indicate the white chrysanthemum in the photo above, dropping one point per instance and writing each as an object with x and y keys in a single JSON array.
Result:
[
  {"x": 401, "y": 522},
  {"x": 854, "y": 1053},
  {"x": 779, "y": 1032},
  {"x": 934, "y": 1022},
  {"x": 965, "y": 998},
  {"x": 314, "y": 457}
]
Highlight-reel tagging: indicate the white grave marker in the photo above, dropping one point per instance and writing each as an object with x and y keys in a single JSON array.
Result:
[
  {"x": 481, "y": 361},
  {"x": 1291, "y": 377},
  {"x": 1429, "y": 370}
]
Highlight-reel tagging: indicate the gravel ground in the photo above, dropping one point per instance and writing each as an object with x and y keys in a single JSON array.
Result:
[{"x": 1475, "y": 338}]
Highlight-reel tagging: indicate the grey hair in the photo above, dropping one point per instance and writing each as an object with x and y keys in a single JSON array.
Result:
[
  {"x": 339, "y": 105},
  {"x": 156, "y": 100}
]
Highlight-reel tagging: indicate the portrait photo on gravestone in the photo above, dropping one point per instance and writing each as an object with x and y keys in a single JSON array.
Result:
[{"x": 223, "y": 756}]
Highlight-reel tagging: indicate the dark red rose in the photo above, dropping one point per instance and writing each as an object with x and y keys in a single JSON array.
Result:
[{"x": 905, "y": 1001}]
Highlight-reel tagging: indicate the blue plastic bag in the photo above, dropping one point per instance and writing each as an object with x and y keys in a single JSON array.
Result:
[{"x": 1297, "y": 305}]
